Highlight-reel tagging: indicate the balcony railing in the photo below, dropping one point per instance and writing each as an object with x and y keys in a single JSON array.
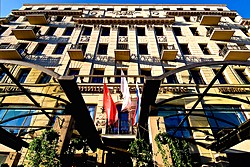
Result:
[
  {"x": 26, "y": 32},
  {"x": 122, "y": 127},
  {"x": 122, "y": 46},
  {"x": 223, "y": 33},
  {"x": 11, "y": 52},
  {"x": 122, "y": 53},
  {"x": 235, "y": 52},
  {"x": 210, "y": 31},
  {"x": 76, "y": 52},
  {"x": 168, "y": 53},
  {"x": 48, "y": 12}
]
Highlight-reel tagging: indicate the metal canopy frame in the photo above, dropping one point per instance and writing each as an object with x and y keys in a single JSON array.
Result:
[
  {"x": 75, "y": 107},
  {"x": 150, "y": 91}
]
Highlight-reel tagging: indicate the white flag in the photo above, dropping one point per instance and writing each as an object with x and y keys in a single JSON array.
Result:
[{"x": 126, "y": 104}]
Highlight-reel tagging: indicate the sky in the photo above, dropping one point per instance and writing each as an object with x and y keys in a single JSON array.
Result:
[{"x": 241, "y": 6}]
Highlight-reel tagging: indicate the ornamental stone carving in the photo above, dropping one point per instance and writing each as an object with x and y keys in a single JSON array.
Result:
[
  {"x": 162, "y": 39},
  {"x": 84, "y": 39},
  {"x": 123, "y": 39}
]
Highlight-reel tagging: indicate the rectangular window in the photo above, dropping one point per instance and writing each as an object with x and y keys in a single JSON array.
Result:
[
  {"x": 105, "y": 31},
  {"x": 204, "y": 49},
  {"x": 221, "y": 77},
  {"x": 177, "y": 31},
  {"x": 194, "y": 31},
  {"x": 184, "y": 49},
  {"x": 28, "y": 8},
  {"x": 193, "y": 9},
  {"x": 123, "y": 31},
  {"x": 102, "y": 49},
  {"x": 2, "y": 74},
  {"x": 124, "y": 9},
  {"x": 110, "y": 9},
  {"x": 44, "y": 78},
  {"x": 67, "y": 9},
  {"x": 206, "y": 9},
  {"x": 118, "y": 72},
  {"x": 221, "y": 46},
  {"x": 179, "y": 8},
  {"x": 145, "y": 72},
  {"x": 59, "y": 48},
  {"x": 87, "y": 31},
  {"x": 97, "y": 79},
  {"x": 243, "y": 76},
  {"x": 92, "y": 110},
  {"x": 22, "y": 48},
  {"x": 54, "y": 9},
  {"x": 59, "y": 18},
  {"x": 51, "y": 31},
  {"x": 23, "y": 73},
  {"x": 2, "y": 29},
  {"x": 173, "y": 115},
  {"x": 226, "y": 113},
  {"x": 172, "y": 79},
  {"x": 166, "y": 8},
  {"x": 158, "y": 31},
  {"x": 138, "y": 9},
  {"x": 39, "y": 49},
  {"x": 197, "y": 77},
  {"x": 74, "y": 72},
  {"x": 143, "y": 49},
  {"x": 68, "y": 31},
  {"x": 140, "y": 31},
  {"x": 41, "y": 8},
  {"x": 8, "y": 113}
]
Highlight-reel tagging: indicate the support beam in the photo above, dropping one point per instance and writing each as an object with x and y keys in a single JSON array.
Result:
[
  {"x": 78, "y": 109},
  {"x": 24, "y": 91},
  {"x": 200, "y": 98}
]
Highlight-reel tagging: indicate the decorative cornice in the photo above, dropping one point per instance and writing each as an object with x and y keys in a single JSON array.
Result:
[
  {"x": 48, "y": 12},
  {"x": 138, "y": 21}
]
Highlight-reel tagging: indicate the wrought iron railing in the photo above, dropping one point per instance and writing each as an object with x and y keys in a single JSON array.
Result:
[
  {"x": 210, "y": 31},
  {"x": 226, "y": 48},
  {"x": 122, "y": 46},
  {"x": 34, "y": 28},
  {"x": 76, "y": 46}
]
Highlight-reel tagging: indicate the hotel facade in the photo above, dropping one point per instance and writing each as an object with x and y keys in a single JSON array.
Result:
[{"x": 190, "y": 62}]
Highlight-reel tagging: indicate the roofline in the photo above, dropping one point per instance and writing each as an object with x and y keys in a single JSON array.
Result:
[{"x": 113, "y": 4}]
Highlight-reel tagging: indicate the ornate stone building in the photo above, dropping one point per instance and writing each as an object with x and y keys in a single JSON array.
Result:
[{"x": 190, "y": 61}]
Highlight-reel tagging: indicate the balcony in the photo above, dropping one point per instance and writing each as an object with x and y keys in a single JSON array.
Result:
[
  {"x": 210, "y": 20},
  {"x": 26, "y": 32},
  {"x": 76, "y": 52},
  {"x": 168, "y": 53},
  {"x": 235, "y": 52},
  {"x": 4, "y": 20},
  {"x": 122, "y": 53},
  {"x": 10, "y": 52},
  {"x": 37, "y": 19},
  {"x": 220, "y": 33}
]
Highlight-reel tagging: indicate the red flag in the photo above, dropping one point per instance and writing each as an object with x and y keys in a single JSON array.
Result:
[{"x": 109, "y": 106}]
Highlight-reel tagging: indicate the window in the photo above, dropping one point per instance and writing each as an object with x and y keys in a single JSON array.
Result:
[
  {"x": 51, "y": 31},
  {"x": 145, "y": 72},
  {"x": 204, "y": 49},
  {"x": 159, "y": 31},
  {"x": 102, "y": 49},
  {"x": 206, "y": 9},
  {"x": 229, "y": 113},
  {"x": 28, "y": 8},
  {"x": 143, "y": 49},
  {"x": 123, "y": 31},
  {"x": 138, "y": 9},
  {"x": 59, "y": 48},
  {"x": 2, "y": 29},
  {"x": 58, "y": 18},
  {"x": 140, "y": 31},
  {"x": 197, "y": 77},
  {"x": 54, "y": 9},
  {"x": 172, "y": 79},
  {"x": 245, "y": 31},
  {"x": 81, "y": 8},
  {"x": 110, "y": 9},
  {"x": 68, "y": 31},
  {"x": 219, "y": 9},
  {"x": 23, "y": 73},
  {"x": 13, "y": 18},
  {"x": 243, "y": 76},
  {"x": 44, "y": 78},
  {"x": 124, "y": 9},
  {"x": 172, "y": 120},
  {"x": 184, "y": 49},
  {"x": 161, "y": 47},
  {"x": 67, "y": 8},
  {"x": 194, "y": 31},
  {"x": 41, "y": 8},
  {"x": 3, "y": 157},
  {"x": 221, "y": 77},
  {"x": 22, "y": 47},
  {"x": 105, "y": 31},
  {"x": 97, "y": 79},
  {"x": 39, "y": 49},
  {"x": 8, "y": 113},
  {"x": 151, "y": 9},
  {"x": 87, "y": 31},
  {"x": 92, "y": 110},
  {"x": 179, "y": 8},
  {"x": 221, "y": 46},
  {"x": 193, "y": 9},
  {"x": 96, "y": 9},
  {"x": 74, "y": 72},
  {"x": 166, "y": 8},
  {"x": 118, "y": 72},
  {"x": 187, "y": 18},
  {"x": 2, "y": 74},
  {"x": 177, "y": 31},
  {"x": 84, "y": 47}
]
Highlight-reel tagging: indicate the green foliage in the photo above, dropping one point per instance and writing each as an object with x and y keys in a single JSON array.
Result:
[
  {"x": 179, "y": 150},
  {"x": 77, "y": 143},
  {"x": 141, "y": 151},
  {"x": 42, "y": 150}
]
